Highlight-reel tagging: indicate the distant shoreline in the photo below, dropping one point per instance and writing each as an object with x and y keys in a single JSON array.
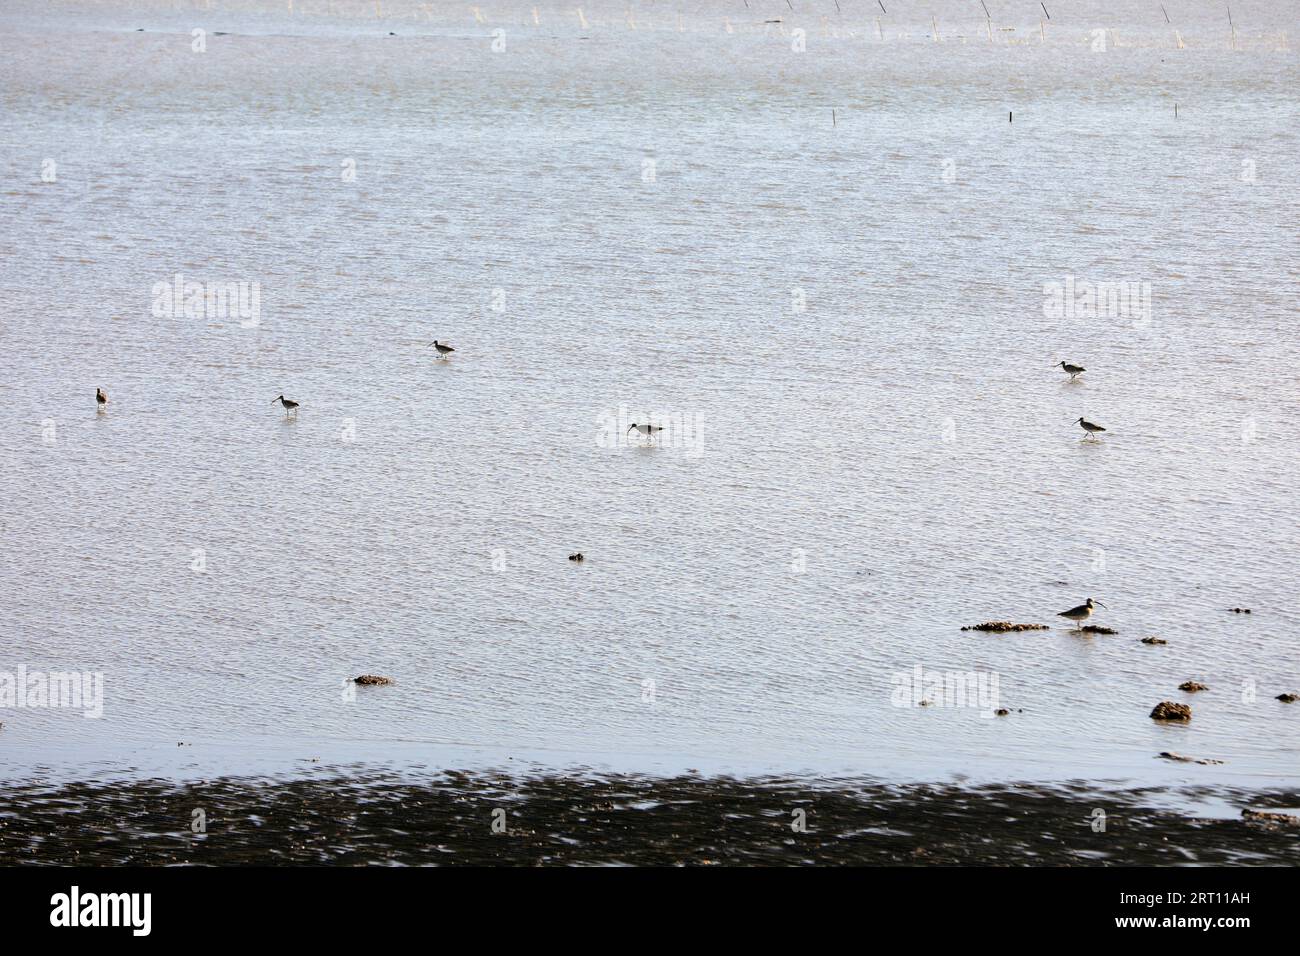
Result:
[{"x": 452, "y": 818}]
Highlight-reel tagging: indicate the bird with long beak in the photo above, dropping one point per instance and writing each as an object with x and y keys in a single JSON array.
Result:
[
  {"x": 649, "y": 430},
  {"x": 1072, "y": 369},
  {"x": 1081, "y": 613},
  {"x": 289, "y": 406},
  {"x": 1089, "y": 427},
  {"x": 443, "y": 348},
  {"x": 100, "y": 398}
]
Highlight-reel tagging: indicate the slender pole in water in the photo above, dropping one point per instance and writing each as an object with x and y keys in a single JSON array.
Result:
[
  {"x": 1175, "y": 111},
  {"x": 935, "y": 24},
  {"x": 1165, "y": 12},
  {"x": 1230, "y": 24},
  {"x": 832, "y": 118},
  {"x": 989, "y": 19},
  {"x": 1044, "y": 6},
  {"x": 882, "y": 8},
  {"x": 1009, "y": 116}
]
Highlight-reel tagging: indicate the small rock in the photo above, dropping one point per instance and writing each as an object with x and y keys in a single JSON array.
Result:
[
  {"x": 1181, "y": 758},
  {"x": 1192, "y": 685},
  {"x": 372, "y": 680},
  {"x": 1001, "y": 711},
  {"x": 1154, "y": 640},
  {"x": 1240, "y": 610},
  {"x": 576, "y": 556},
  {"x": 1097, "y": 629},
  {"x": 925, "y": 703},
  {"x": 1287, "y": 698},
  {"x": 1168, "y": 710},
  {"x": 1001, "y": 627}
]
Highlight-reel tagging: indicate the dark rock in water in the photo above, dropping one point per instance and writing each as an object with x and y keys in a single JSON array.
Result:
[
  {"x": 576, "y": 556},
  {"x": 1287, "y": 698},
  {"x": 1192, "y": 685},
  {"x": 1168, "y": 710},
  {"x": 1154, "y": 640},
  {"x": 1097, "y": 629},
  {"x": 372, "y": 680},
  {"x": 1001, "y": 627},
  {"x": 1181, "y": 758},
  {"x": 1263, "y": 816},
  {"x": 1001, "y": 711},
  {"x": 1240, "y": 610}
]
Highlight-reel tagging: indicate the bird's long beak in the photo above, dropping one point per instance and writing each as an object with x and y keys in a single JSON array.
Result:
[
  {"x": 630, "y": 427},
  {"x": 1099, "y": 604}
]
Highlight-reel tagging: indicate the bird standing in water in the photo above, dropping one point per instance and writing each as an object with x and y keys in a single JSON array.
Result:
[
  {"x": 1072, "y": 369},
  {"x": 1081, "y": 613},
  {"x": 100, "y": 399},
  {"x": 1089, "y": 427},
  {"x": 288, "y": 405},
  {"x": 443, "y": 349},
  {"x": 650, "y": 430}
]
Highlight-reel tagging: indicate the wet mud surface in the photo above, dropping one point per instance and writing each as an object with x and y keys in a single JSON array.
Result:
[{"x": 343, "y": 819}]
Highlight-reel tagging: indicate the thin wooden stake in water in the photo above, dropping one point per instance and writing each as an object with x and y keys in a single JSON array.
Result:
[
  {"x": 832, "y": 118},
  {"x": 1041, "y": 4},
  {"x": 989, "y": 19},
  {"x": 1165, "y": 12},
  {"x": 1175, "y": 111},
  {"x": 882, "y": 8},
  {"x": 1230, "y": 24},
  {"x": 935, "y": 24},
  {"x": 1008, "y": 117}
]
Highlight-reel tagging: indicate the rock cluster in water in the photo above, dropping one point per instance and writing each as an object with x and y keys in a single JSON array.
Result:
[
  {"x": 1154, "y": 640},
  {"x": 1239, "y": 610},
  {"x": 1002, "y": 627},
  {"x": 1097, "y": 629},
  {"x": 1287, "y": 698},
  {"x": 1168, "y": 710},
  {"x": 1192, "y": 685},
  {"x": 1263, "y": 816},
  {"x": 372, "y": 680}
]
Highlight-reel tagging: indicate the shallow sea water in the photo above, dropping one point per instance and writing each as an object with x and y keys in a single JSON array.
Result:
[{"x": 840, "y": 320}]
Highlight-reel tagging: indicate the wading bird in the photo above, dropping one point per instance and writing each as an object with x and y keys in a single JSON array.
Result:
[
  {"x": 288, "y": 405},
  {"x": 651, "y": 430},
  {"x": 1072, "y": 369},
  {"x": 443, "y": 349},
  {"x": 1089, "y": 427},
  {"x": 1081, "y": 613},
  {"x": 100, "y": 398}
]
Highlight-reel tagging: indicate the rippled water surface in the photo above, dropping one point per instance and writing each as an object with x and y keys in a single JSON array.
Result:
[{"x": 649, "y": 212}]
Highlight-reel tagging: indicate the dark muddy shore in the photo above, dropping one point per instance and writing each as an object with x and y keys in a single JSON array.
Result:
[{"x": 572, "y": 820}]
